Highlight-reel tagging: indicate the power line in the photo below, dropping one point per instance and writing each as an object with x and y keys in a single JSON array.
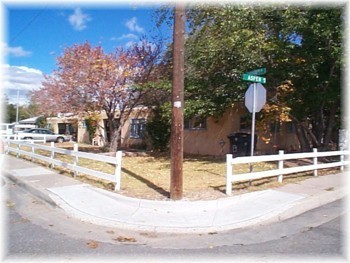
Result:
[{"x": 28, "y": 24}]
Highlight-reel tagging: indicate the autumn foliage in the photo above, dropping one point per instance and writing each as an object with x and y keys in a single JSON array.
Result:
[{"x": 88, "y": 80}]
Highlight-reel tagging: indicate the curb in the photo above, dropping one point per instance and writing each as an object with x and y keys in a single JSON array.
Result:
[
  {"x": 38, "y": 192},
  {"x": 288, "y": 211},
  {"x": 307, "y": 204}
]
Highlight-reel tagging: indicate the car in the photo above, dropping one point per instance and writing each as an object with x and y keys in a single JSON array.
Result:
[{"x": 41, "y": 134}]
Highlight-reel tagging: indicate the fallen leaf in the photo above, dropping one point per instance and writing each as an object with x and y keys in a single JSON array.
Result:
[
  {"x": 124, "y": 239},
  {"x": 92, "y": 244},
  {"x": 10, "y": 204}
]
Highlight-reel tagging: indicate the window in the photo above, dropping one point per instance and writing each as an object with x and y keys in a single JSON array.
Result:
[
  {"x": 290, "y": 127},
  {"x": 196, "y": 123},
  {"x": 137, "y": 128},
  {"x": 245, "y": 122},
  {"x": 83, "y": 124}
]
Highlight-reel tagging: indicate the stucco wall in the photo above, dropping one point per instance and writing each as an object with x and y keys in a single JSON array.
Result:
[{"x": 207, "y": 141}]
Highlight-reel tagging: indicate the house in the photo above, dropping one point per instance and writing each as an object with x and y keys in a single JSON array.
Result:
[
  {"x": 211, "y": 136},
  {"x": 11, "y": 128},
  {"x": 208, "y": 136},
  {"x": 25, "y": 124},
  {"x": 132, "y": 134}
]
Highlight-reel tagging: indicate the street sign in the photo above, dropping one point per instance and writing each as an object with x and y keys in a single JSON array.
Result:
[
  {"x": 259, "y": 71},
  {"x": 254, "y": 78},
  {"x": 259, "y": 96}
]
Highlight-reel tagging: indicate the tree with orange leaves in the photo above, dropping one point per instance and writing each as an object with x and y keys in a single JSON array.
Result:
[{"x": 89, "y": 80}]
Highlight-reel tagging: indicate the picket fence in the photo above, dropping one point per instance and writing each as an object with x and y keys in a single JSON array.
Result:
[
  {"x": 280, "y": 171},
  {"x": 116, "y": 160}
]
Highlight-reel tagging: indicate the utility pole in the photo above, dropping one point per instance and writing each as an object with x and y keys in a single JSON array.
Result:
[{"x": 176, "y": 182}]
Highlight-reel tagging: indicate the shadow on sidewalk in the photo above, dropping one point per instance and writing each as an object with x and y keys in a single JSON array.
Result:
[{"x": 157, "y": 188}]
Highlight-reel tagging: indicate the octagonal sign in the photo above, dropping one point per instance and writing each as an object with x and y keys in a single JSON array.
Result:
[{"x": 260, "y": 97}]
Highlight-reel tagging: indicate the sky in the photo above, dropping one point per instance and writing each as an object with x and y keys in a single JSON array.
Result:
[{"x": 35, "y": 35}]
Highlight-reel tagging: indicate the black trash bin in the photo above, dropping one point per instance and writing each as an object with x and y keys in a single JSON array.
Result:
[{"x": 240, "y": 144}]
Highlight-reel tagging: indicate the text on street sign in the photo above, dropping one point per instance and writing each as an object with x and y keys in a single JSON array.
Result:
[
  {"x": 259, "y": 71},
  {"x": 254, "y": 78}
]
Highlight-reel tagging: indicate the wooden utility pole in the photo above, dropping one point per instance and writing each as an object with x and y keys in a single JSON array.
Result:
[{"x": 176, "y": 182}]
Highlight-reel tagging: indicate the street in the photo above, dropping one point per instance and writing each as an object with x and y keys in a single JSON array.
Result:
[{"x": 37, "y": 231}]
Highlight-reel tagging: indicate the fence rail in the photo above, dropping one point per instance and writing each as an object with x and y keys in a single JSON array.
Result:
[
  {"x": 280, "y": 171},
  {"x": 52, "y": 150}
]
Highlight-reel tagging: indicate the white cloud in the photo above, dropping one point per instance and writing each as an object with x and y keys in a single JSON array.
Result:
[
  {"x": 133, "y": 26},
  {"x": 15, "y": 51},
  {"x": 128, "y": 36},
  {"x": 20, "y": 78},
  {"x": 78, "y": 19}
]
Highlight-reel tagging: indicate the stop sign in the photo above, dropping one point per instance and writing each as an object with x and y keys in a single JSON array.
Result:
[{"x": 260, "y": 97}]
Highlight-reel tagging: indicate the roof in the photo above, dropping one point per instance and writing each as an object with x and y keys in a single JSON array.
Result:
[{"x": 29, "y": 120}]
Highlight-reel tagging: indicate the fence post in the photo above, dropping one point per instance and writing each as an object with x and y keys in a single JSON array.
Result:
[
  {"x": 118, "y": 170},
  {"x": 315, "y": 160},
  {"x": 52, "y": 156},
  {"x": 76, "y": 159},
  {"x": 8, "y": 147},
  {"x": 280, "y": 165},
  {"x": 33, "y": 150},
  {"x": 228, "y": 174},
  {"x": 18, "y": 148},
  {"x": 342, "y": 159}
]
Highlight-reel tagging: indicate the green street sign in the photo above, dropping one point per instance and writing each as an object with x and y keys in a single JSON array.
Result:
[
  {"x": 259, "y": 71},
  {"x": 253, "y": 78}
]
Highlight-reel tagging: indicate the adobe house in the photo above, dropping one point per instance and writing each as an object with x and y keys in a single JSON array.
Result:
[
  {"x": 131, "y": 135},
  {"x": 201, "y": 136},
  {"x": 210, "y": 136}
]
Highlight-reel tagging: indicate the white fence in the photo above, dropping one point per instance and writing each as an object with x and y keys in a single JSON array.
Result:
[
  {"x": 280, "y": 171},
  {"x": 117, "y": 160}
]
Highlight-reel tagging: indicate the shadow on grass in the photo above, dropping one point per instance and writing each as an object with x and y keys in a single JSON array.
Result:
[{"x": 151, "y": 185}]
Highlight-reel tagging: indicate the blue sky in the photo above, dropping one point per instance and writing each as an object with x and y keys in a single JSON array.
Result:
[{"x": 36, "y": 35}]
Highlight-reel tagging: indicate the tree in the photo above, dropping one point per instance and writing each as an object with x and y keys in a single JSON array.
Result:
[
  {"x": 317, "y": 77},
  {"x": 88, "y": 80},
  {"x": 300, "y": 47},
  {"x": 24, "y": 111}
]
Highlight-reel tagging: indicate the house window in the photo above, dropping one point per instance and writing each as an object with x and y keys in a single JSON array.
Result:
[
  {"x": 245, "y": 122},
  {"x": 83, "y": 124},
  {"x": 137, "y": 128},
  {"x": 196, "y": 123},
  {"x": 290, "y": 127}
]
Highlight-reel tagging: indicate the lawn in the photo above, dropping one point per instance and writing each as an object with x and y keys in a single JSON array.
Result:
[{"x": 147, "y": 175}]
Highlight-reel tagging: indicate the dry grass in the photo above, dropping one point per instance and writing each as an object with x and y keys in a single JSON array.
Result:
[{"x": 148, "y": 176}]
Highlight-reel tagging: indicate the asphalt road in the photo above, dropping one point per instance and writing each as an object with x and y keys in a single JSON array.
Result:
[{"x": 37, "y": 231}]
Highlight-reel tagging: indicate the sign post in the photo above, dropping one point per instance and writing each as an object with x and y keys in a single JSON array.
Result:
[{"x": 255, "y": 99}]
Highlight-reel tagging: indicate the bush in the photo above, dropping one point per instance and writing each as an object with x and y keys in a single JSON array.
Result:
[{"x": 158, "y": 130}]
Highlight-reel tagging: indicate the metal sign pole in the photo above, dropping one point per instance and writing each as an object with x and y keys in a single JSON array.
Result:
[{"x": 253, "y": 127}]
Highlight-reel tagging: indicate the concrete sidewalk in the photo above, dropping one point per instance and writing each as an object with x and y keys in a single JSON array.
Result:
[{"x": 102, "y": 207}]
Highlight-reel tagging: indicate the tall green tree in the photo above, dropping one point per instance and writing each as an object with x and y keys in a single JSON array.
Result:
[
  {"x": 317, "y": 76},
  {"x": 301, "y": 48}
]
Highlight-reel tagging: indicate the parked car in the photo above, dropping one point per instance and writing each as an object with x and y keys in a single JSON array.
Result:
[{"x": 41, "y": 134}]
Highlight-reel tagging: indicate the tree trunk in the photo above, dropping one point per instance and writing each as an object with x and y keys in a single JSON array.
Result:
[
  {"x": 300, "y": 132},
  {"x": 114, "y": 134},
  {"x": 330, "y": 126}
]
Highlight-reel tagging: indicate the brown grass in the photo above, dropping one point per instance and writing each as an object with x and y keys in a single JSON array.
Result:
[{"x": 148, "y": 176}]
